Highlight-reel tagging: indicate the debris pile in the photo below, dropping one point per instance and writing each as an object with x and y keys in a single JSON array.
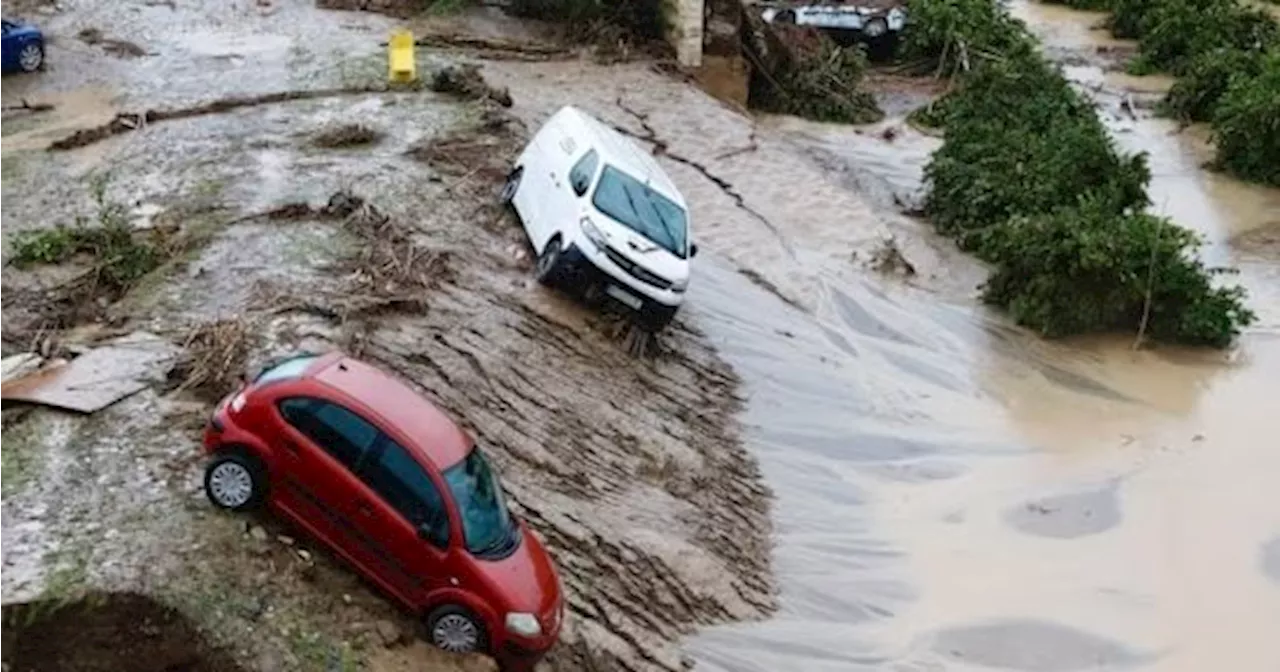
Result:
[
  {"x": 464, "y": 80},
  {"x": 215, "y": 358},
  {"x": 346, "y": 135},
  {"x": 801, "y": 71}
]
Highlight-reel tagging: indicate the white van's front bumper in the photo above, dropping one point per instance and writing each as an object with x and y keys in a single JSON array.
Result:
[{"x": 594, "y": 272}]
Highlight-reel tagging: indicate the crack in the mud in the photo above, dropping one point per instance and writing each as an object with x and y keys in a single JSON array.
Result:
[{"x": 661, "y": 148}]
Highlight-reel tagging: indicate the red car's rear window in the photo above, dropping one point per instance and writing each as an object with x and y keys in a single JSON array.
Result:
[{"x": 292, "y": 367}]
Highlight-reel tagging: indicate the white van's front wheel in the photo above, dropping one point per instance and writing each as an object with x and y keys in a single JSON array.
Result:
[{"x": 549, "y": 263}]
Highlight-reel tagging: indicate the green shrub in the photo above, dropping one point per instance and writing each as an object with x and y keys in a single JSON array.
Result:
[
  {"x": 1088, "y": 268},
  {"x": 1173, "y": 32},
  {"x": 1195, "y": 95},
  {"x": 1090, "y": 5},
  {"x": 1128, "y": 17},
  {"x": 957, "y": 35},
  {"x": 1246, "y": 124},
  {"x": 119, "y": 255},
  {"x": 1021, "y": 142}
]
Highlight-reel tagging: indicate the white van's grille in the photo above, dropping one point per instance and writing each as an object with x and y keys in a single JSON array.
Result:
[{"x": 635, "y": 270}]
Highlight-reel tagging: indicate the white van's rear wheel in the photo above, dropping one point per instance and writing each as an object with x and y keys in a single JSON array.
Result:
[{"x": 511, "y": 186}]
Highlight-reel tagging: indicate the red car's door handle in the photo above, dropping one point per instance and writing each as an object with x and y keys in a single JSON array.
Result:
[
  {"x": 363, "y": 507},
  {"x": 291, "y": 447}
]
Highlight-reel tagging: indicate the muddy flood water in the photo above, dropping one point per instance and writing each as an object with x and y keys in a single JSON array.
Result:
[
  {"x": 954, "y": 494},
  {"x": 949, "y": 492}
]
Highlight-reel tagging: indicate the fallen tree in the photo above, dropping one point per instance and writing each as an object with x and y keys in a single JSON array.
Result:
[
  {"x": 1029, "y": 180},
  {"x": 802, "y": 71}
]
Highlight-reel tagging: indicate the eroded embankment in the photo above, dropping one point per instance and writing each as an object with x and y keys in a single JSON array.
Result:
[{"x": 631, "y": 469}]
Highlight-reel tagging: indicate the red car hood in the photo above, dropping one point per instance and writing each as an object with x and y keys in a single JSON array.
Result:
[{"x": 526, "y": 579}]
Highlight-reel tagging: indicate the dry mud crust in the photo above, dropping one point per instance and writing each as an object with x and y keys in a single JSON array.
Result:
[{"x": 105, "y": 632}]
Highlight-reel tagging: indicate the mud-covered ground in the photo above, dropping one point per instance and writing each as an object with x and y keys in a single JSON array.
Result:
[
  {"x": 950, "y": 492},
  {"x": 630, "y": 468}
]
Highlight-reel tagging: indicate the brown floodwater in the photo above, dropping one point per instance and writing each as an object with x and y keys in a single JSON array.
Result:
[{"x": 956, "y": 494}]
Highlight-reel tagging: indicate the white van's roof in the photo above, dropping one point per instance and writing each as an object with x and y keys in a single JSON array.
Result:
[{"x": 619, "y": 151}]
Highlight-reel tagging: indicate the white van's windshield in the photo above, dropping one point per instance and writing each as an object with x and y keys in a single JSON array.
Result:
[{"x": 642, "y": 209}]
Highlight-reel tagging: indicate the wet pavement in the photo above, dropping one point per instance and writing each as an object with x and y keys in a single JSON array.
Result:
[{"x": 951, "y": 493}]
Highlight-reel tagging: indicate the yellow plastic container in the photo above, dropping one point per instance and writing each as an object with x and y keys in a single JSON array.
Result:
[{"x": 400, "y": 57}]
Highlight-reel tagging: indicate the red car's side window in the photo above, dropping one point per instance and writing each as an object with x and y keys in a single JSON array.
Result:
[
  {"x": 404, "y": 485},
  {"x": 340, "y": 432}
]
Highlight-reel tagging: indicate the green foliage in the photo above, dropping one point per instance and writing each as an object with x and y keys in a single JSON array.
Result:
[
  {"x": 1218, "y": 48},
  {"x": 1029, "y": 180},
  {"x": 1195, "y": 95},
  {"x": 1246, "y": 124},
  {"x": 640, "y": 19},
  {"x": 956, "y": 35},
  {"x": 1089, "y": 268},
  {"x": 118, "y": 255},
  {"x": 1173, "y": 32},
  {"x": 813, "y": 77},
  {"x": 1090, "y": 5},
  {"x": 1021, "y": 142}
]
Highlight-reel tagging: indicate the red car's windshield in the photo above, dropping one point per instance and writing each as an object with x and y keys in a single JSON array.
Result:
[{"x": 487, "y": 527}]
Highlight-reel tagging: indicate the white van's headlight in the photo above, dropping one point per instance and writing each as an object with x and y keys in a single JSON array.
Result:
[
  {"x": 593, "y": 234},
  {"x": 525, "y": 625},
  {"x": 680, "y": 285}
]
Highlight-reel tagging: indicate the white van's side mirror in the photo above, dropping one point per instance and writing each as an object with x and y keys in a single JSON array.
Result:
[{"x": 693, "y": 249}]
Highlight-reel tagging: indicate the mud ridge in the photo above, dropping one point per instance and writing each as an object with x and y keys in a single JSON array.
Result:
[
  {"x": 127, "y": 122},
  {"x": 660, "y": 148},
  {"x": 496, "y": 49}
]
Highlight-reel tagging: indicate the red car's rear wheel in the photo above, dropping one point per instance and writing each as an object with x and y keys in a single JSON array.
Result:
[{"x": 235, "y": 481}]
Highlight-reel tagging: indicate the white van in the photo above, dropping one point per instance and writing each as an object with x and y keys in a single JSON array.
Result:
[{"x": 603, "y": 217}]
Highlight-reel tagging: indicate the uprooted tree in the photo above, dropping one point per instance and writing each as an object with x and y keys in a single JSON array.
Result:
[
  {"x": 802, "y": 71},
  {"x": 1029, "y": 180}
]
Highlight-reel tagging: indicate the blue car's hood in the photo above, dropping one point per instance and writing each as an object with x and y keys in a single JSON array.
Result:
[{"x": 21, "y": 27}]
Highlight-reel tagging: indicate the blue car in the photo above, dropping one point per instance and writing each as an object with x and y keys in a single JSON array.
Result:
[{"x": 23, "y": 47}]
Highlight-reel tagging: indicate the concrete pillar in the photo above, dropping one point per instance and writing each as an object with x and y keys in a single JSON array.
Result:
[{"x": 685, "y": 19}]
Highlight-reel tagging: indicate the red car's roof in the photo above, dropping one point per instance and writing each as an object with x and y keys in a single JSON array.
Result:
[{"x": 437, "y": 437}]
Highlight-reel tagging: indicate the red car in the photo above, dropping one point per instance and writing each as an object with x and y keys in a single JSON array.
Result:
[{"x": 368, "y": 466}]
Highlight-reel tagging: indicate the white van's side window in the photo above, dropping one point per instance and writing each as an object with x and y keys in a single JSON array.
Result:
[{"x": 583, "y": 171}]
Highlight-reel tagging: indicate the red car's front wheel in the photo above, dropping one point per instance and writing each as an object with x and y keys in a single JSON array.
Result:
[{"x": 456, "y": 630}]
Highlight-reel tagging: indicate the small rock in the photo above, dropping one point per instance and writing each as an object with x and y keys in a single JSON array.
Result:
[
  {"x": 346, "y": 598},
  {"x": 304, "y": 554},
  {"x": 257, "y": 533},
  {"x": 285, "y": 539},
  {"x": 388, "y": 632},
  {"x": 1198, "y": 437}
]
